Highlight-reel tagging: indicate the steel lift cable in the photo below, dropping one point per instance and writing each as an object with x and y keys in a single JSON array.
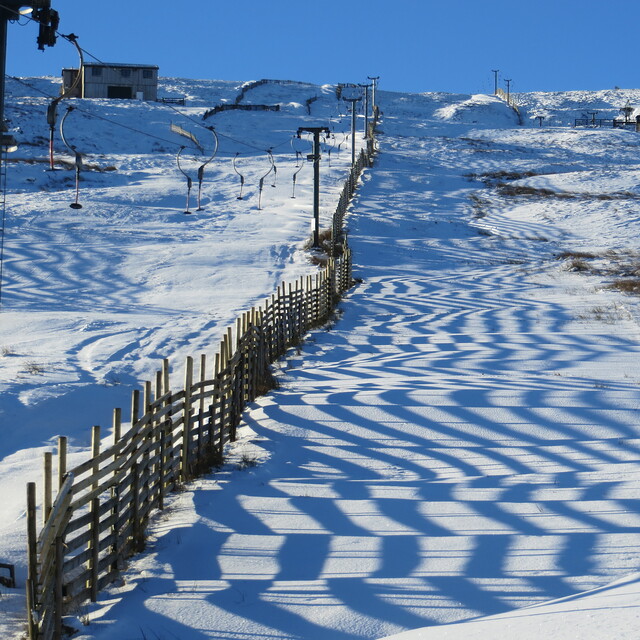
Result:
[
  {"x": 97, "y": 117},
  {"x": 90, "y": 55},
  {"x": 3, "y": 184},
  {"x": 77, "y": 158}
]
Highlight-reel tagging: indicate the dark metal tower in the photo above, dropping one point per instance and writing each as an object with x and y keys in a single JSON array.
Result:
[{"x": 12, "y": 10}]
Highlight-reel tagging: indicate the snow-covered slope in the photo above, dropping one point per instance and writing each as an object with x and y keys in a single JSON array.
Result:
[
  {"x": 93, "y": 298},
  {"x": 611, "y": 612},
  {"x": 462, "y": 443}
]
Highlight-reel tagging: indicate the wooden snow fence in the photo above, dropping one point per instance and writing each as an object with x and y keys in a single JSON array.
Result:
[
  {"x": 99, "y": 514},
  {"x": 364, "y": 159}
]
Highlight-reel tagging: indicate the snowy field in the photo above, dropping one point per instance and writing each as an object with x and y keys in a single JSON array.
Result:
[{"x": 462, "y": 443}]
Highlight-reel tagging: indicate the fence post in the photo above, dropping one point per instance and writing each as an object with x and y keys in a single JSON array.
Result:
[
  {"x": 186, "y": 413},
  {"x": 62, "y": 459},
  {"x": 202, "y": 378},
  {"x": 115, "y": 493},
  {"x": 57, "y": 588},
  {"x": 135, "y": 407},
  {"x": 135, "y": 507},
  {"x": 93, "y": 545},
  {"x": 32, "y": 562},
  {"x": 47, "y": 489},
  {"x": 147, "y": 489},
  {"x": 165, "y": 435}
]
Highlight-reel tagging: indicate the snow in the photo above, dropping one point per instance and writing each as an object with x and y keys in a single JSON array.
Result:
[
  {"x": 608, "y": 612},
  {"x": 462, "y": 444}
]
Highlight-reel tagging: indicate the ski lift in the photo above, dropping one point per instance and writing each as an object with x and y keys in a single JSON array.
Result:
[
  {"x": 329, "y": 144},
  {"x": 203, "y": 165},
  {"x": 187, "y": 176},
  {"x": 200, "y": 172},
  {"x": 295, "y": 177},
  {"x": 275, "y": 168},
  {"x": 235, "y": 168},
  {"x": 298, "y": 152},
  {"x": 261, "y": 182},
  {"x": 345, "y": 137},
  {"x": 77, "y": 158},
  {"x": 52, "y": 109}
]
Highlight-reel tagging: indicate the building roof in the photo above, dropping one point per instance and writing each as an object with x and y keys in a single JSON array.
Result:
[{"x": 115, "y": 65}]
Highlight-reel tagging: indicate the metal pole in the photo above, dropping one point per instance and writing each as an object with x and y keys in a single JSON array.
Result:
[
  {"x": 374, "y": 82},
  {"x": 495, "y": 81},
  {"x": 508, "y": 82},
  {"x": 353, "y": 127},
  {"x": 11, "y": 10},
  {"x": 315, "y": 156},
  {"x": 4, "y": 18},
  {"x": 366, "y": 108},
  {"x": 316, "y": 188}
]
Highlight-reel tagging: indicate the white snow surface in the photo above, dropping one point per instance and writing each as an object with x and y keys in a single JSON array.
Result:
[{"x": 461, "y": 444}]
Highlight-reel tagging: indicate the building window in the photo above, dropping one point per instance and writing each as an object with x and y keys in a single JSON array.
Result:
[
  {"x": 96, "y": 71},
  {"x": 126, "y": 73},
  {"x": 147, "y": 74}
]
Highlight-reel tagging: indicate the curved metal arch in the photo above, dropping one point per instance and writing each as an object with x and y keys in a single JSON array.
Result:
[
  {"x": 295, "y": 177},
  {"x": 52, "y": 109},
  {"x": 187, "y": 176},
  {"x": 235, "y": 168},
  {"x": 77, "y": 158},
  {"x": 204, "y": 164},
  {"x": 261, "y": 182}
]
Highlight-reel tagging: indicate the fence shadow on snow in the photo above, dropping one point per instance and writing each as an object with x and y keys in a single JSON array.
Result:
[{"x": 101, "y": 508}]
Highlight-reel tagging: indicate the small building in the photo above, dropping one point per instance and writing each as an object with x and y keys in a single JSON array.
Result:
[{"x": 105, "y": 80}]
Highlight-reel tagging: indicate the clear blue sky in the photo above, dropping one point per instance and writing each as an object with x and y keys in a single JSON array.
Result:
[{"x": 414, "y": 45}]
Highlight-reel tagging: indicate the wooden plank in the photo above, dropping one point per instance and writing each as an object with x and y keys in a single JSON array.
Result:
[
  {"x": 31, "y": 607},
  {"x": 58, "y": 511},
  {"x": 32, "y": 558},
  {"x": 135, "y": 507},
  {"x": 94, "y": 542},
  {"x": 46, "y": 486},
  {"x": 188, "y": 382},
  {"x": 117, "y": 425},
  {"x": 62, "y": 460}
]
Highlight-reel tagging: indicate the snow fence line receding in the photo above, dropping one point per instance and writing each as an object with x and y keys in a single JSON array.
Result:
[{"x": 98, "y": 517}]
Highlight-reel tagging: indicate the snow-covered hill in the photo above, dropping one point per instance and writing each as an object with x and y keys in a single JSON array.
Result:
[{"x": 463, "y": 442}]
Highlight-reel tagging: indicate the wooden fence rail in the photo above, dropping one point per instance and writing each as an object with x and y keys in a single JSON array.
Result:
[{"x": 101, "y": 507}]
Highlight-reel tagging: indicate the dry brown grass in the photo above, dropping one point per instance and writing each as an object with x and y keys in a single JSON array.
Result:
[
  {"x": 478, "y": 205},
  {"x": 523, "y": 190},
  {"x": 65, "y": 164},
  {"x": 584, "y": 255},
  {"x": 627, "y": 285},
  {"x": 491, "y": 177},
  {"x": 577, "y": 264}
]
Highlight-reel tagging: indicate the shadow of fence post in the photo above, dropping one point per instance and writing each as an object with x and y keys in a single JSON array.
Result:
[{"x": 99, "y": 514}]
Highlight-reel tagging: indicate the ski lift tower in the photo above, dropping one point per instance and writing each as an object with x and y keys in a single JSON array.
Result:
[{"x": 11, "y": 10}]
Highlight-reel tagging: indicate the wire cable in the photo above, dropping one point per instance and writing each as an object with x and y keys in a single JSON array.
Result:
[
  {"x": 72, "y": 39},
  {"x": 3, "y": 186},
  {"x": 94, "y": 115}
]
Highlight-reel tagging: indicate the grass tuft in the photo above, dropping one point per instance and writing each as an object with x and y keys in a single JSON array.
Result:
[{"x": 627, "y": 285}]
